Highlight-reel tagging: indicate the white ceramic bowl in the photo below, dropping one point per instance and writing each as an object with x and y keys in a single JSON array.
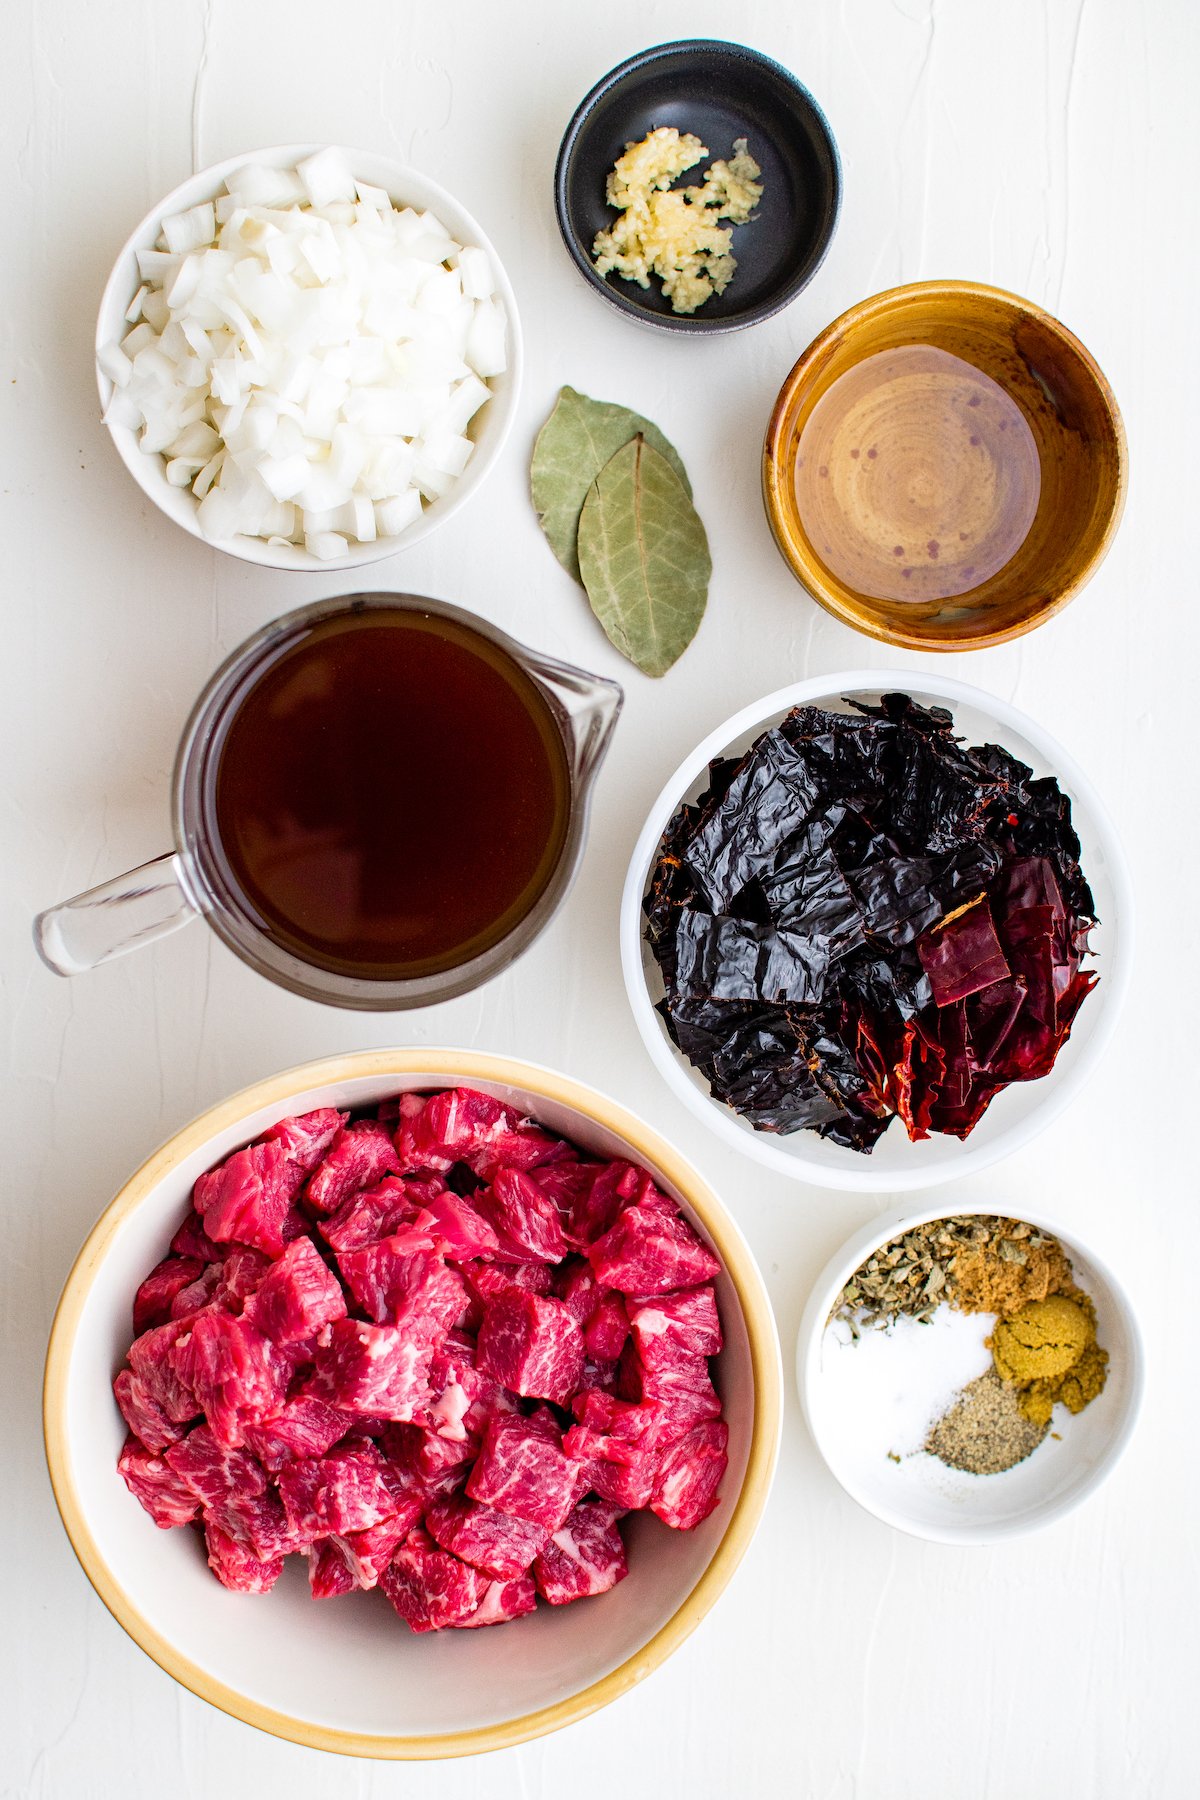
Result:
[
  {"x": 918, "y": 1494},
  {"x": 346, "y": 1675},
  {"x": 897, "y": 1165},
  {"x": 488, "y": 430}
]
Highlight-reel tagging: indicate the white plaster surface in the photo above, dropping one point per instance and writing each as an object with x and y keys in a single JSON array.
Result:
[{"x": 1044, "y": 145}]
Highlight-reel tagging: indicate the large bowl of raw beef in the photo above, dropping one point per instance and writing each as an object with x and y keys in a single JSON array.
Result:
[{"x": 344, "y": 1672}]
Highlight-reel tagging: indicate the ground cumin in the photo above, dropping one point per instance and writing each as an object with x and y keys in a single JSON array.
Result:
[{"x": 1015, "y": 1267}]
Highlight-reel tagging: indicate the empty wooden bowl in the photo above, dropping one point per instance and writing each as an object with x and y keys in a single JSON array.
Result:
[{"x": 945, "y": 466}]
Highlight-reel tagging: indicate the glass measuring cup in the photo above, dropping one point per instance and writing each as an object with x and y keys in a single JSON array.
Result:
[{"x": 193, "y": 879}]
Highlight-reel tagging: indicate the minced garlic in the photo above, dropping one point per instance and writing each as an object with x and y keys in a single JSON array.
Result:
[{"x": 671, "y": 232}]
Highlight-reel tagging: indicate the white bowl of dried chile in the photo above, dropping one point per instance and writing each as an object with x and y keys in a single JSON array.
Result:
[
  {"x": 969, "y": 1377},
  {"x": 876, "y": 933}
]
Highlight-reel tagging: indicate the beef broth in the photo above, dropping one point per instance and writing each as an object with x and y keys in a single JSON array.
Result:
[{"x": 391, "y": 794}]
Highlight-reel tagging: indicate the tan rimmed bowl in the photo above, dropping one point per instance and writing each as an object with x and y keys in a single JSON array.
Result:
[
  {"x": 345, "y": 1675},
  {"x": 927, "y": 487}
]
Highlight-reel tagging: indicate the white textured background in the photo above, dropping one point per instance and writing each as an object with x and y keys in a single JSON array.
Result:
[{"x": 1044, "y": 145}]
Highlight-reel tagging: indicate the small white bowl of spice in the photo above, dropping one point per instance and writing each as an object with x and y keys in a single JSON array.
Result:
[{"x": 968, "y": 1376}]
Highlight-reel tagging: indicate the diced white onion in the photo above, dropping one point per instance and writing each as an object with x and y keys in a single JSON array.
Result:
[
  {"x": 325, "y": 544},
  {"x": 115, "y": 363},
  {"x": 307, "y": 358},
  {"x": 187, "y": 230},
  {"x": 396, "y": 514},
  {"x": 476, "y": 272},
  {"x": 326, "y": 178}
]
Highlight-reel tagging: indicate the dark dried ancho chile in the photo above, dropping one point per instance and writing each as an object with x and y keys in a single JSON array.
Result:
[{"x": 863, "y": 917}]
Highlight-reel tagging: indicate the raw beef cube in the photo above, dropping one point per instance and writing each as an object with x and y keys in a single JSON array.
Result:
[
  {"x": 328, "y": 1573},
  {"x": 577, "y": 1288},
  {"x": 152, "y": 1358},
  {"x": 494, "y": 1541},
  {"x": 457, "y": 1125},
  {"x": 600, "y": 1312},
  {"x": 502, "y": 1601},
  {"x": 565, "y": 1184},
  {"x": 296, "y": 1296},
  {"x": 676, "y": 1327},
  {"x": 143, "y": 1415},
  {"x": 635, "y": 1435},
  {"x": 522, "y": 1470},
  {"x": 526, "y": 1219},
  {"x": 375, "y": 1213},
  {"x": 649, "y": 1251},
  {"x": 461, "y": 1392},
  {"x": 155, "y": 1484},
  {"x": 371, "y": 1369},
  {"x": 526, "y": 1146},
  {"x": 486, "y": 1279},
  {"x": 682, "y": 1396},
  {"x": 192, "y": 1240},
  {"x": 241, "y": 1273},
  {"x": 625, "y": 1485},
  {"x": 398, "y": 1286},
  {"x": 359, "y": 1157},
  {"x": 531, "y": 1346},
  {"x": 616, "y": 1441},
  {"x": 256, "y": 1521},
  {"x": 367, "y": 1554},
  {"x": 594, "y": 1208},
  {"x": 439, "y": 1465},
  {"x": 213, "y": 1472},
  {"x": 685, "y": 1490},
  {"x": 430, "y": 1588},
  {"x": 585, "y": 1556},
  {"x": 199, "y": 1293},
  {"x": 236, "y": 1566},
  {"x": 246, "y": 1200},
  {"x": 459, "y": 1231},
  {"x": 152, "y": 1302},
  {"x": 302, "y": 1427},
  {"x": 606, "y": 1331},
  {"x": 306, "y": 1138},
  {"x": 599, "y": 1410},
  {"x": 337, "y": 1494},
  {"x": 236, "y": 1373}
]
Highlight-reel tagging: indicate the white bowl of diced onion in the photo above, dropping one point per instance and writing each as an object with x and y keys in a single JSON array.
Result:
[{"x": 308, "y": 356}]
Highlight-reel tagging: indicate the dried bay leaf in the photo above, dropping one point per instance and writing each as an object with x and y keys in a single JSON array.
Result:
[
  {"x": 643, "y": 555},
  {"x": 578, "y": 439}
]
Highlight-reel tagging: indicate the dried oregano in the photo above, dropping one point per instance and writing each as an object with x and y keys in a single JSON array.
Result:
[{"x": 913, "y": 1274}]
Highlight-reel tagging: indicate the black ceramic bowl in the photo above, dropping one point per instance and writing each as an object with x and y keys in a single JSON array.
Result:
[{"x": 720, "y": 92}]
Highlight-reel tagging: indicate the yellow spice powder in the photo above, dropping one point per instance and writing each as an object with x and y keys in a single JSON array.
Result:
[{"x": 1048, "y": 1352}]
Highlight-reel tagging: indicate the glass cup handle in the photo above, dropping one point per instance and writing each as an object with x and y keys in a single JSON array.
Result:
[{"x": 131, "y": 910}]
